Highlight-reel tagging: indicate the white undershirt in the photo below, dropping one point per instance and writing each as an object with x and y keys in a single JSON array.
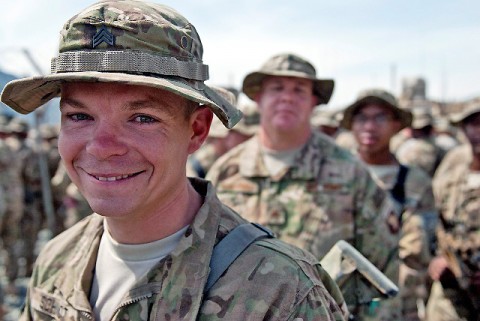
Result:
[
  {"x": 276, "y": 161},
  {"x": 119, "y": 266}
]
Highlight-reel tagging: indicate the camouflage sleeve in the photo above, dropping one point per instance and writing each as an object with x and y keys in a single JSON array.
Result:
[
  {"x": 372, "y": 210},
  {"x": 419, "y": 221},
  {"x": 274, "y": 281},
  {"x": 318, "y": 305}
]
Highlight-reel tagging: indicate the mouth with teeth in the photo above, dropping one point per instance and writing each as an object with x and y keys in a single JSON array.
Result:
[{"x": 114, "y": 178}]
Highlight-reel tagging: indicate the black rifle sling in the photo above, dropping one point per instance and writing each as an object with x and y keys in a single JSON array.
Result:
[
  {"x": 231, "y": 246},
  {"x": 398, "y": 190}
]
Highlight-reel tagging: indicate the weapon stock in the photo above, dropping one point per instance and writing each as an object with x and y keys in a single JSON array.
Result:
[{"x": 360, "y": 281}]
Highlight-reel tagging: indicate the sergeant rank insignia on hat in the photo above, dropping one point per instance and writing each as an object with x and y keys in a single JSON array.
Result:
[{"x": 103, "y": 35}]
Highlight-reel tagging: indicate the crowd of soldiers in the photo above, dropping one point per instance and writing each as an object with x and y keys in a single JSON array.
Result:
[
  {"x": 422, "y": 162},
  {"x": 24, "y": 219}
]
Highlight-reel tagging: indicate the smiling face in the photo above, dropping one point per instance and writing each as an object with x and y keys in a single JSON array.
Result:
[{"x": 126, "y": 146}]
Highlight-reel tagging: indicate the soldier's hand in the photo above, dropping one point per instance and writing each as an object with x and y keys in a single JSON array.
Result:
[{"x": 437, "y": 267}]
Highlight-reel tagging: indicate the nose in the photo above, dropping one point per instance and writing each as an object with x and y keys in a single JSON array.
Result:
[
  {"x": 287, "y": 94},
  {"x": 105, "y": 141},
  {"x": 369, "y": 123}
]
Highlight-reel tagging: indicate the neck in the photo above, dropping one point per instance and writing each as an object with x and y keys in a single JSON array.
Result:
[
  {"x": 383, "y": 158},
  {"x": 175, "y": 214},
  {"x": 283, "y": 141},
  {"x": 475, "y": 164}
]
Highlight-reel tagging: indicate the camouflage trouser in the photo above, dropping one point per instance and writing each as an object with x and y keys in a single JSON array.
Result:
[
  {"x": 30, "y": 226},
  {"x": 444, "y": 305},
  {"x": 10, "y": 241},
  {"x": 413, "y": 292}
]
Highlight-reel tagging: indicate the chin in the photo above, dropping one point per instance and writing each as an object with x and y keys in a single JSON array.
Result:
[{"x": 109, "y": 209}]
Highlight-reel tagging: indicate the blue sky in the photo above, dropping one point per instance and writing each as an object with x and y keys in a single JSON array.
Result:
[{"x": 358, "y": 43}]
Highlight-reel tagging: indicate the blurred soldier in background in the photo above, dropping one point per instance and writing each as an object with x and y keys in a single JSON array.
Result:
[
  {"x": 421, "y": 149},
  {"x": 445, "y": 134},
  {"x": 220, "y": 140},
  {"x": 296, "y": 181},
  {"x": 455, "y": 292},
  {"x": 374, "y": 118},
  {"x": 12, "y": 180},
  {"x": 74, "y": 206},
  {"x": 326, "y": 121}
]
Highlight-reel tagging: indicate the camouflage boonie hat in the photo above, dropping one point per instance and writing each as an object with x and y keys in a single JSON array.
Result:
[
  {"x": 376, "y": 96},
  {"x": 325, "y": 117},
  {"x": 129, "y": 42},
  {"x": 247, "y": 126},
  {"x": 469, "y": 110},
  {"x": 288, "y": 65},
  {"x": 422, "y": 117},
  {"x": 217, "y": 130},
  {"x": 250, "y": 122}
]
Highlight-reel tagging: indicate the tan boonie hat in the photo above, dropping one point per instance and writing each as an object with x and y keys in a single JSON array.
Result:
[
  {"x": 422, "y": 117},
  {"x": 325, "y": 117},
  {"x": 217, "y": 130},
  {"x": 250, "y": 121},
  {"x": 129, "y": 42},
  {"x": 470, "y": 109},
  {"x": 288, "y": 65},
  {"x": 247, "y": 126},
  {"x": 375, "y": 96}
]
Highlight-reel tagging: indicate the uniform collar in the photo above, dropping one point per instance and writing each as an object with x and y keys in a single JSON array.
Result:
[{"x": 307, "y": 165}]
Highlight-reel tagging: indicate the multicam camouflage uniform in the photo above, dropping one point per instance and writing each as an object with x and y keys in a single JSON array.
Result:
[
  {"x": 419, "y": 220},
  {"x": 11, "y": 180},
  {"x": 326, "y": 196},
  {"x": 259, "y": 285},
  {"x": 457, "y": 192},
  {"x": 456, "y": 295},
  {"x": 421, "y": 152}
]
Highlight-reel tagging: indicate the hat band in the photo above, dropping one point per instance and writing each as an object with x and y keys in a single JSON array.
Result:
[{"x": 128, "y": 61}]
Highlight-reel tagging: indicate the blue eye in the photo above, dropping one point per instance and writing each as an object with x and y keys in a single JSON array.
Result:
[
  {"x": 79, "y": 117},
  {"x": 144, "y": 119}
]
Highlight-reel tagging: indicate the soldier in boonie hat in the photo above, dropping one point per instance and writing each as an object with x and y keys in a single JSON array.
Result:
[
  {"x": 326, "y": 121},
  {"x": 288, "y": 65},
  {"x": 422, "y": 117},
  {"x": 377, "y": 96},
  {"x": 469, "y": 110},
  {"x": 134, "y": 106}
]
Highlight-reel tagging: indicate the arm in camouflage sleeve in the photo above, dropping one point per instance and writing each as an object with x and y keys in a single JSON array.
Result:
[
  {"x": 280, "y": 283},
  {"x": 419, "y": 221},
  {"x": 372, "y": 209}
]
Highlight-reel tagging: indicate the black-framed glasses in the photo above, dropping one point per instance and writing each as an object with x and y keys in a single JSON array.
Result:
[{"x": 379, "y": 119}]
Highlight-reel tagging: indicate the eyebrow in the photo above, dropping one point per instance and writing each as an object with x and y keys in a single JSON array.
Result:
[
  {"x": 72, "y": 102},
  {"x": 150, "y": 103}
]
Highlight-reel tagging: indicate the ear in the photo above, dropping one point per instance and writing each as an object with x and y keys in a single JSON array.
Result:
[
  {"x": 315, "y": 100},
  {"x": 200, "y": 122}
]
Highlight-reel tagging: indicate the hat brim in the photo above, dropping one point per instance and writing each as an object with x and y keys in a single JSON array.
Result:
[
  {"x": 322, "y": 88},
  {"x": 458, "y": 118},
  {"x": 404, "y": 116},
  {"x": 27, "y": 94}
]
